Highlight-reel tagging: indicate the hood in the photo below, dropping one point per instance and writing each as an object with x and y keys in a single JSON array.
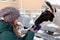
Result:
[{"x": 4, "y": 26}]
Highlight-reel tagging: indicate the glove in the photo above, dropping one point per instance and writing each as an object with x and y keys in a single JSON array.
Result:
[{"x": 34, "y": 27}]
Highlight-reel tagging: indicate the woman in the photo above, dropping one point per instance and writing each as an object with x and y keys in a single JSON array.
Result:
[{"x": 8, "y": 25}]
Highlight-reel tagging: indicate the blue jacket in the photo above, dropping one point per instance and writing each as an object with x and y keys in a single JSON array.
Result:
[{"x": 7, "y": 34}]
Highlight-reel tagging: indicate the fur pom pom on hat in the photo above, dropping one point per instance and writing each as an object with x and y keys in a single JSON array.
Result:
[{"x": 9, "y": 14}]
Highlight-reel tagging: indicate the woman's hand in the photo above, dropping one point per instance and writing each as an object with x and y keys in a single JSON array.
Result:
[{"x": 35, "y": 28}]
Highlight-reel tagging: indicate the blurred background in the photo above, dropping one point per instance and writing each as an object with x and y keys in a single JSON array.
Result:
[{"x": 30, "y": 10}]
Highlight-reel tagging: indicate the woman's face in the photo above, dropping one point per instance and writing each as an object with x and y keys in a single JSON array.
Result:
[{"x": 16, "y": 21}]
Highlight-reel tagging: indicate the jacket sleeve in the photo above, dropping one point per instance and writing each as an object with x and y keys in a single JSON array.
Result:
[
  {"x": 29, "y": 36},
  {"x": 7, "y": 35}
]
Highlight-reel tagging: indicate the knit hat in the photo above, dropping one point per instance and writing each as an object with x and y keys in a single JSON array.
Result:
[{"x": 9, "y": 14}]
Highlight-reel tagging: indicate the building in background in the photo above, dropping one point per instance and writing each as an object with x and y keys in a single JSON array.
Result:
[
  {"x": 7, "y": 3},
  {"x": 22, "y": 4}
]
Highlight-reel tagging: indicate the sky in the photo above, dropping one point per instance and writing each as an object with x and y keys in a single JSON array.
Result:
[{"x": 56, "y": 2}]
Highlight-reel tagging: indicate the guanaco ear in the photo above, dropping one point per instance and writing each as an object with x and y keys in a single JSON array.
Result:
[
  {"x": 49, "y": 5},
  {"x": 55, "y": 9}
]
